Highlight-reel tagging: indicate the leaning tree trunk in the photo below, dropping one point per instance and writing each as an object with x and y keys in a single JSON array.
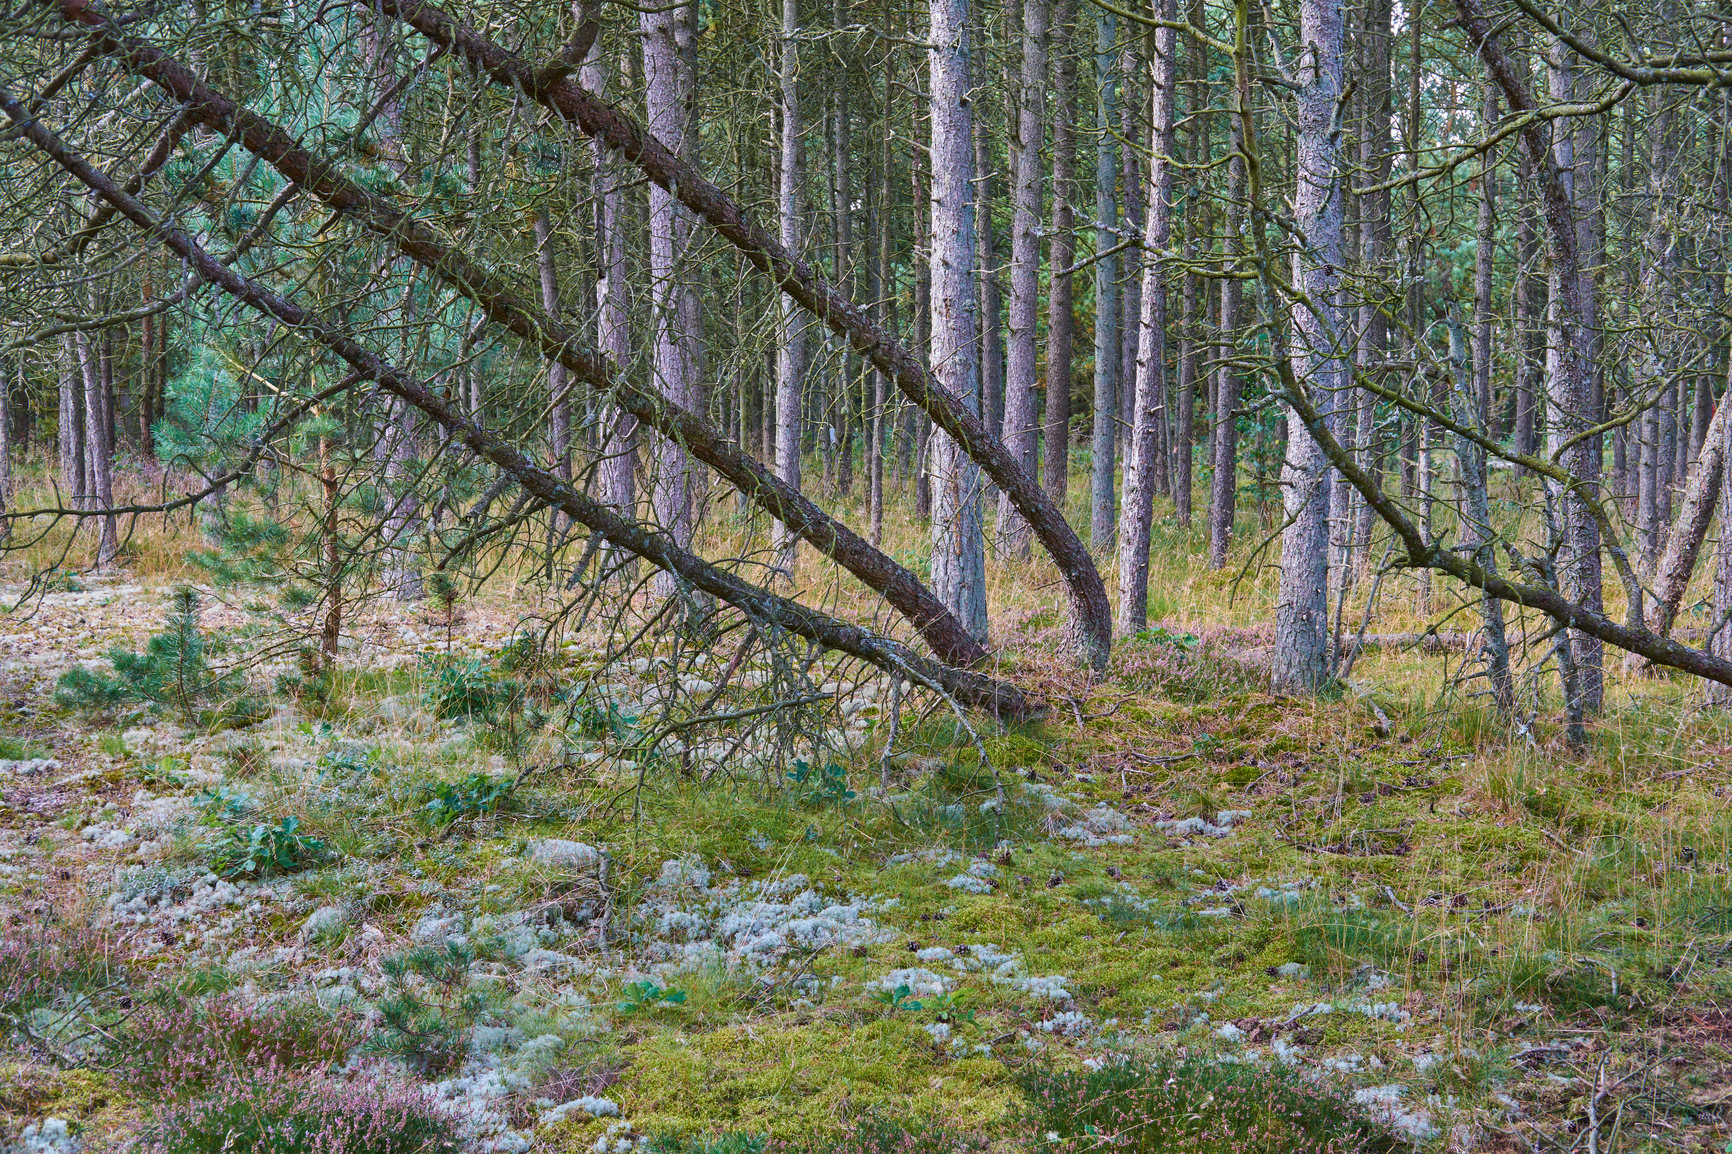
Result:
[
  {"x": 674, "y": 317},
  {"x": 1023, "y": 368},
  {"x": 1106, "y": 408},
  {"x": 791, "y": 319},
  {"x": 1143, "y": 458},
  {"x": 958, "y": 539},
  {"x": 1301, "y": 660}
]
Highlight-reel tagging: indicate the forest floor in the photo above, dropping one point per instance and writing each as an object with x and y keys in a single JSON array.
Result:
[{"x": 1376, "y": 921}]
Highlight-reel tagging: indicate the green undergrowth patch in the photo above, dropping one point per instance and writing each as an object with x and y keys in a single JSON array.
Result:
[{"x": 1193, "y": 1105}]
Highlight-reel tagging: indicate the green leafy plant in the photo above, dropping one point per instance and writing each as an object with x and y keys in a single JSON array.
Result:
[
  {"x": 1161, "y": 635},
  {"x": 643, "y": 995},
  {"x": 474, "y": 796},
  {"x": 825, "y": 785},
  {"x": 901, "y": 998},
  {"x": 266, "y": 849},
  {"x": 952, "y": 1007}
]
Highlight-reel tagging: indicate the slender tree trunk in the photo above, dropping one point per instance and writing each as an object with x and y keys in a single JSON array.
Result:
[
  {"x": 1061, "y": 254},
  {"x": 97, "y": 456},
  {"x": 958, "y": 538},
  {"x": 70, "y": 427},
  {"x": 1376, "y": 244},
  {"x": 920, "y": 426},
  {"x": 884, "y": 314},
  {"x": 1142, "y": 463},
  {"x": 791, "y": 319},
  {"x": 618, "y": 440},
  {"x": 1184, "y": 417},
  {"x": 991, "y": 299},
  {"x": 1224, "y": 485},
  {"x": 1028, "y": 176},
  {"x": 1302, "y": 644},
  {"x": 558, "y": 379},
  {"x": 1106, "y": 406},
  {"x": 674, "y": 317},
  {"x": 1476, "y": 527}
]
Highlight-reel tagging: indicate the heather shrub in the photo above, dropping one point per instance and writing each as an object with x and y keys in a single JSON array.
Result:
[
  {"x": 184, "y": 1045},
  {"x": 45, "y": 964},
  {"x": 1194, "y": 1106},
  {"x": 276, "y": 1111}
]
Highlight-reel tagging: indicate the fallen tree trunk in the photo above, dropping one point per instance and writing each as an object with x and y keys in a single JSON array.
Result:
[
  {"x": 769, "y": 609},
  {"x": 553, "y": 88},
  {"x": 320, "y": 177}
]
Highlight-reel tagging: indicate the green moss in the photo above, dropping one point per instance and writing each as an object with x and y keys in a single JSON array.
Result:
[{"x": 793, "y": 1079}]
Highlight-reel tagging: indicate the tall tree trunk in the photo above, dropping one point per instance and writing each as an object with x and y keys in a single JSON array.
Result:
[
  {"x": 1106, "y": 406},
  {"x": 1569, "y": 387},
  {"x": 884, "y": 312},
  {"x": 920, "y": 426},
  {"x": 1376, "y": 244},
  {"x": 558, "y": 378},
  {"x": 958, "y": 538},
  {"x": 97, "y": 457},
  {"x": 1302, "y": 658},
  {"x": 1061, "y": 254},
  {"x": 791, "y": 319},
  {"x": 991, "y": 299},
  {"x": 618, "y": 440},
  {"x": 1028, "y": 176},
  {"x": 674, "y": 317},
  {"x": 1142, "y": 460},
  {"x": 1224, "y": 485},
  {"x": 70, "y": 427}
]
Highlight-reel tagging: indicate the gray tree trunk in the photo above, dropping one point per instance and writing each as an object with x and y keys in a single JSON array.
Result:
[
  {"x": 71, "y": 427},
  {"x": 991, "y": 299},
  {"x": 618, "y": 440},
  {"x": 674, "y": 317},
  {"x": 1302, "y": 643},
  {"x": 1376, "y": 243},
  {"x": 958, "y": 537},
  {"x": 1106, "y": 406},
  {"x": 1028, "y": 176},
  {"x": 1143, "y": 458},
  {"x": 1061, "y": 254},
  {"x": 1720, "y": 640},
  {"x": 559, "y": 413},
  {"x": 791, "y": 319},
  {"x": 1224, "y": 485},
  {"x": 98, "y": 458},
  {"x": 1569, "y": 394}
]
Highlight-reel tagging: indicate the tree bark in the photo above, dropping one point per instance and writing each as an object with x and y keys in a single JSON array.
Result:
[
  {"x": 1028, "y": 175},
  {"x": 1142, "y": 462},
  {"x": 958, "y": 539},
  {"x": 1106, "y": 275},
  {"x": 618, "y": 440},
  {"x": 98, "y": 458},
  {"x": 674, "y": 309},
  {"x": 791, "y": 319},
  {"x": 1061, "y": 254},
  {"x": 1224, "y": 485},
  {"x": 1302, "y": 659},
  {"x": 1568, "y": 385}
]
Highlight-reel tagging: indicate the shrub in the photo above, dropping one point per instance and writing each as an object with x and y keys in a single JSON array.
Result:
[
  {"x": 430, "y": 1007},
  {"x": 174, "y": 670},
  {"x": 266, "y": 849},
  {"x": 273, "y": 1111},
  {"x": 181, "y": 1045},
  {"x": 474, "y": 796},
  {"x": 52, "y": 962},
  {"x": 1195, "y": 1106}
]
